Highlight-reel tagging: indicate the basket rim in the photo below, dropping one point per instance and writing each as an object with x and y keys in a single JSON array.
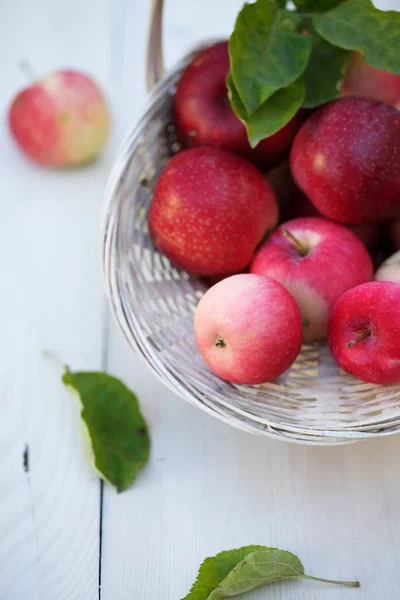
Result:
[{"x": 242, "y": 419}]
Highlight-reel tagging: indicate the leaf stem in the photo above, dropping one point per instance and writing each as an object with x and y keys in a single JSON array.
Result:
[
  {"x": 348, "y": 583},
  {"x": 55, "y": 359}
]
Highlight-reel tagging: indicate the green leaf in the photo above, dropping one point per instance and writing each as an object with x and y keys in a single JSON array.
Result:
[
  {"x": 267, "y": 52},
  {"x": 325, "y": 71},
  {"x": 117, "y": 431},
  {"x": 213, "y": 570},
  {"x": 308, "y": 6},
  {"x": 257, "y": 569},
  {"x": 273, "y": 114},
  {"x": 235, "y": 572},
  {"x": 358, "y": 25}
]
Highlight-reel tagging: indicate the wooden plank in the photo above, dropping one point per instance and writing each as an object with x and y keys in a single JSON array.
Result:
[{"x": 51, "y": 298}]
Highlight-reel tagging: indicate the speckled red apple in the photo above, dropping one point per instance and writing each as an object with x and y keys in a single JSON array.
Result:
[
  {"x": 364, "y": 80},
  {"x": 316, "y": 260},
  {"x": 60, "y": 121},
  {"x": 390, "y": 269},
  {"x": 210, "y": 210},
  {"x": 364, "y": 332},
  {"x": 248, "y": 329},
  {"x": 204, "y": 117},
  {"x": 346, "y": 158}
]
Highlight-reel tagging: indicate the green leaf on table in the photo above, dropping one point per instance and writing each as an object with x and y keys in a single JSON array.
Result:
[
  {"x": 213, "y": 570},
  {"x": 258, "y": 568},
  {"x": 325, "y": 71},
  {"x": 273, "y": 114},
  {"x": 235, "y": 572},
  {"x": 308, "y": 6},
  {"x": 117, "y": 433},
  {"x": 358, "y": 25},
  {"x": 267, "y": 51}
]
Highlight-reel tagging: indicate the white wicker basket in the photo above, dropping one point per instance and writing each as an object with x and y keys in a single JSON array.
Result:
[{"x": 314, "y": 402}]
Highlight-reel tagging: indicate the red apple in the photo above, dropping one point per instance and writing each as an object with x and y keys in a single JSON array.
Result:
[
  {"x": 248, "y": 329},
  {"x": 363, "y": 80},
  {"x": 390, "y": 269},
  {"x": 316, "y": 260},
  {"x": 204, "y": 117},
  {"x": 364, "y": 332},
  {"x": 394, "y": 233},
  {"x": 60, "y": 121},
  {"x": 369, "y": 234},
  {"x": 346, "y": 158},
  {"x": 210, "y": 210}
]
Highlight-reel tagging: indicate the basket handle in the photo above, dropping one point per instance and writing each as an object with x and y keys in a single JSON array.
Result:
[{"x": 154, "y": 56}]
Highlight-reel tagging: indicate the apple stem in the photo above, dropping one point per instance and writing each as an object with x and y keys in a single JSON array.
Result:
[
  {"x": 364, "y": 333},
  {"x": 28, "y": 70},
  {"x": 301, "y": 248},
  {"x": 220, "y": 342}
]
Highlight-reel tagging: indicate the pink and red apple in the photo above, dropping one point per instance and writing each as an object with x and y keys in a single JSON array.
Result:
[
  {"x": 364, "y": 332},
  {"x": 248, "y": 329},
  {"x": 60, "y": 121},
  {"x": 346, "y": 158},
  {"x": 204, "y": 117},
  {"x": 390, "y": 269},
  {"x": 316, "y": 260},
  {"x": 364, "y": 80},
  {"x": 210, "y": 210}
]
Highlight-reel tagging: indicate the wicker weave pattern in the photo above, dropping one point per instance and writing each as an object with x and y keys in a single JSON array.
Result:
[{"x": 313, "y": 402}]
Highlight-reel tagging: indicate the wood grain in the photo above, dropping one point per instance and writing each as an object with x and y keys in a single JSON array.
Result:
[{"x": 51, "y": 299}]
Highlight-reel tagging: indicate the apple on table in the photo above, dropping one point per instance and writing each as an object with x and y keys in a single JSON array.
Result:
[{"x": 62, "y": 120}]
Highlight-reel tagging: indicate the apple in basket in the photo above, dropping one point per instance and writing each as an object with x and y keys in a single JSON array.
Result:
[
  {"x": 248, "y": 329},
  {"x": 316, "y": 260},
  {"x": 346, "y": 158},
  {"x": 60, "y": 121},
  {"x": 210, "y": 209},
  {"x": 204, "y": 117},
  {"x": 364, "y": 80},
  {"x": 390, "y": 269},
  {"x": 364, "y": 332}
]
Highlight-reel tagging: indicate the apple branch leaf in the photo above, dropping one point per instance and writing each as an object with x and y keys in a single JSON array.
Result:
[
  {"x": 358, "y": 25},
  {"x": 268, "y": 51}
]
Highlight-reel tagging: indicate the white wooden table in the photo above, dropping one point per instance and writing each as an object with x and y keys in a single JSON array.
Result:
[{"x": 207, "y": 487}]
